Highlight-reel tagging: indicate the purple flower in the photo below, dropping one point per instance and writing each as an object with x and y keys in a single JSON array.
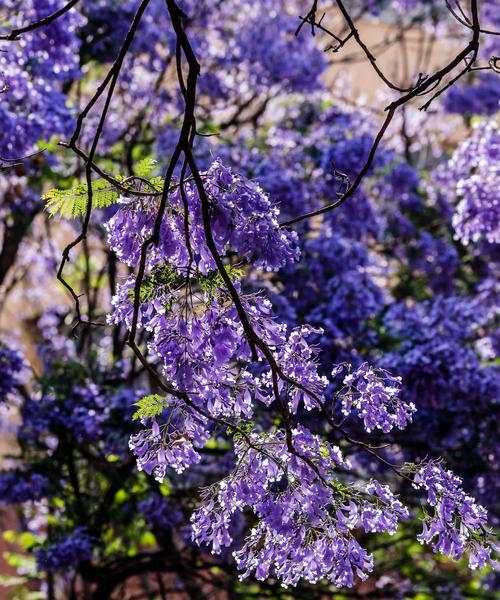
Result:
[
  {"x": 457, "y": 524},
  {"x": 18, "y": 486},
  {"x": 374, "y": 394},
  {"x": 471, "y": 182},
  {"x": 11, "y": 367},
  {"x": 66, "y": 552},
  {"x": 170, "y": 445},
  {"x": 305, "y": 514}
]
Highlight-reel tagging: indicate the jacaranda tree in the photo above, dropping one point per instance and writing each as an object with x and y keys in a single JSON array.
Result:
[{"x": 249, "y": 321}]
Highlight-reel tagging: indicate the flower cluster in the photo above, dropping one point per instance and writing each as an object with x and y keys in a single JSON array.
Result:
[
  {"x": 243, "y": 218},
  {"x": 457, "y": 523},
  {"x": 278, "y": 58},
  {"x": 35, "y": 69},
  {"x": 478, "y": 98},
  {"x": 471, "y": 181},
  {"x": 374, "y": 395},
  {"x": 297, "y": 359},
  {"x": 81, "y": 414},
  {"x": 305, "y": 515},
  {"x": 334, "y": 287},
  {"x": 205, "y": 355},
  {"x": 160, "y": 512},
  {"x": 196, "y": 331},
  {"x": 169, "y": 445},
  {"x": 66, "y": 552},
  {"x": 17, "y": 486}
]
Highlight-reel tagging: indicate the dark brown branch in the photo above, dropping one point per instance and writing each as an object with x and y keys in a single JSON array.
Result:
[
  {"x": 357, "y": 182},
  {"x": 424, "y": 85},
  {"x": 112, "y": 79},
  {"x": 364, "y": 47},
  {"x": 15, "y": 33}
]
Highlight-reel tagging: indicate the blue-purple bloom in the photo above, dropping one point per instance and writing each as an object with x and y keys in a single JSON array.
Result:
[
  {"x": 66, "y": 552},
  {"x": 457, "y": 523},
  {"x": 375, "y": 396}
]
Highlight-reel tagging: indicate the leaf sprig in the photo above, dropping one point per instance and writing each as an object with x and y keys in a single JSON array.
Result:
[
  {"x": 149, "y": 407},
  {"x": 72, "y": 203}
]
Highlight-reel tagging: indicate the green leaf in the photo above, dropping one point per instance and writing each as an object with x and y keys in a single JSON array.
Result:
[
  {"x": 72, "y": 203},
  {"x": 25, "y": 539},
  {"x": 145, "y": 167},
  {"x": 244, "y": 427},
  {"x": 147, "y": 539},
  {"x": 121, "y": 496},
  {"x": 211, "y": 283},
  {"x": 149, "y": 406},
  {"x": 20, "y": 561},
  {"x": 157, "y": 284}
]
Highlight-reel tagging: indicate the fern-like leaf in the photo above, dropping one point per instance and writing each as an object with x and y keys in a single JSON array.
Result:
[
  {"x": 149, "y": 406},
  {"x": 145, "y": 167},
  {"x": 72, "y": 203},
  {"x": 212, "y": 283},
  {"x": 159, "y": 283}
]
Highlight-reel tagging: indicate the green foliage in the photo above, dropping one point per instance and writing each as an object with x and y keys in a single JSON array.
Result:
[
  {"x": 211, "y": 283},
  {"x": 149, "y": 406},
  {"x": 25, "y": 539},
  {"x": 160, "y": 282},
  {"x": 21, "y": 561},
  {"x": 244, "y": 427},
  {"x": 145, "y": 167},
  {"x": 72, "y": 203},
  {"x": 165, "y": 279}
]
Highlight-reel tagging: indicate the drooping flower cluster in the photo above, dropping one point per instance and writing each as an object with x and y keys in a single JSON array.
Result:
[
  {"x": 457, "y": 524},
  {"x": 305, "y": 515},
  {"x": 298, "y": 361},
  {"x": 243, "y": 218},
  {"x": 196, "y": 331},
  {"x": 169, "y": 445},
  {"x": 374, "y": 395},
  {"x": 205, "y": 355}
]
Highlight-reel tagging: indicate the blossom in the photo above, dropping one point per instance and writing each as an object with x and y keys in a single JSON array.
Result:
[
  {"x": 66, "y": 552},
  {"x": 470, "y": 181},
  {"x": 374, "y": 394},
  {"x": 305, "y": 514},
  {"x": 18, "y": 486},
  {"x": 11, "y": 367},
  {"x": 171, "y": 444},
  {"x": 457, "y": 524}
]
